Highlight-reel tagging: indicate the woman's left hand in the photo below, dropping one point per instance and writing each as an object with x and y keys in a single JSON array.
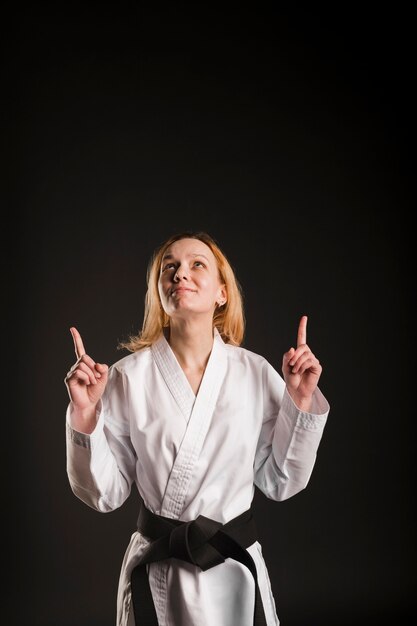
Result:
[{"x": 301, "y": 369}]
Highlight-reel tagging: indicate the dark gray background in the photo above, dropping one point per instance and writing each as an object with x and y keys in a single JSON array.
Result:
[{"x": 286, "y": 135}]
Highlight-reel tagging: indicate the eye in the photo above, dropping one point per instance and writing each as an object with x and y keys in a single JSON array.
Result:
[
  {"x": 168, "y": 266},
  {"x": 199, "y": 264}
]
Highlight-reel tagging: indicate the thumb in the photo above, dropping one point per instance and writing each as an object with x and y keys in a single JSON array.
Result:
[
  {"x": 288, "y": 355},
  {"x": 103, "y": 370},
  {"x": 286, "y": 368}
]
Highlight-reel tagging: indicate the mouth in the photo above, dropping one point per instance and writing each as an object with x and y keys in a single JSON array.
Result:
[{"x": 180, "y": 290}]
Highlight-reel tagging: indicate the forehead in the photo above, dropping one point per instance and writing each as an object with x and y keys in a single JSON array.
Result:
[{"x": 189, "y": 247}]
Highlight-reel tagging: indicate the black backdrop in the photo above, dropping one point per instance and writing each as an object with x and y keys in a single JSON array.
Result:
[{"x": 283, "y": 133}]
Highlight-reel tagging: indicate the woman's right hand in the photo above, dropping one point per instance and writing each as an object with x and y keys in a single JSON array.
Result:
[{"x": 85, "y": 382}]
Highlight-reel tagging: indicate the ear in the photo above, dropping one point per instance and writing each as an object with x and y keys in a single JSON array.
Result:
[{"x": 221, "y": 296}]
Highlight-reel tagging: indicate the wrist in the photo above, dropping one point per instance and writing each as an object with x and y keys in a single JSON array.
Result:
[
  {"x": 83, "y": 420},
  {"x": 301, "y": 402}
]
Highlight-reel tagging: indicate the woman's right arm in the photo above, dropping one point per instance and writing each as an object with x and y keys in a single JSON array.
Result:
[{"x": 101, "y": 461}]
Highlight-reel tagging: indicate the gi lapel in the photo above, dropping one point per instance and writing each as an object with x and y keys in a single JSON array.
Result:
[
  {"x": 174, "y": 376},
  {"x": 198, "y": 421}
]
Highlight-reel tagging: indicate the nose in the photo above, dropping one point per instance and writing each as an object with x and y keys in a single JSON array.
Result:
[{"x": 181, "y": 274}]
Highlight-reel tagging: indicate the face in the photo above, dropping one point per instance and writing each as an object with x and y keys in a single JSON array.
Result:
[{"x": 189, "y": 279}]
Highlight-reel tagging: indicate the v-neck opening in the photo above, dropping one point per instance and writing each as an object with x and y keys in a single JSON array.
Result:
[
  {"x": 180, "y": 368},
  {"x": 175, "y": 377},
  {"x": 184, "y": 375}
]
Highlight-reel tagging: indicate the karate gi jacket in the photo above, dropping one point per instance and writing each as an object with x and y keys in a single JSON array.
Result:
[{"x": 191, "y": 455}]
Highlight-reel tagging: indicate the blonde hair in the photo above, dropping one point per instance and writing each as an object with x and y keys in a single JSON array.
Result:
[{"x": 229, "y": 319}]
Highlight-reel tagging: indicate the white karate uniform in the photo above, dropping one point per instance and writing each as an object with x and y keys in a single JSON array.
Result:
[{"x": 191, "y": 455}]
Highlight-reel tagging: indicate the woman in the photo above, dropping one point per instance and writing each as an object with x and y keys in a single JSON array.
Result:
[{"x": 195, "y": 421}]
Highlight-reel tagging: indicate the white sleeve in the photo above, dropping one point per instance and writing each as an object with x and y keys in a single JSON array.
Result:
[
  {"x": 101, "y": 466},
  {"x": 288, "y": 441}
]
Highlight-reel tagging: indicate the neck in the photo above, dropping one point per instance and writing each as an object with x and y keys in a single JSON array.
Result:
[{"x": 191, "y": 344}]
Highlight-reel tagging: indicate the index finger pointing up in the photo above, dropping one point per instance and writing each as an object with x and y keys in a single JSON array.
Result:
[
  {"x": 78, "y": 342},
  {"x": 302, "y": 331}
]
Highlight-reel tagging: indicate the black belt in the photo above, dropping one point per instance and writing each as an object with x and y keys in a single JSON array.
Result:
[{"x": 202, "y": 542}]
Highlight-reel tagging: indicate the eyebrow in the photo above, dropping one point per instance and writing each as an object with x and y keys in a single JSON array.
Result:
[{"x": 168, "y": 255}]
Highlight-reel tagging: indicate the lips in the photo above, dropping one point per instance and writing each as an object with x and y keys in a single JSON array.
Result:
[{"x": 180, "y": 290}]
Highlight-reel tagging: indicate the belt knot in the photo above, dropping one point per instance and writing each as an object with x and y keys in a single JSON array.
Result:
[{"x": 189, "y": 542}]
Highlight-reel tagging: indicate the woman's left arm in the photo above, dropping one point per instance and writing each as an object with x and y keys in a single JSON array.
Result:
[{"x": 293, "y": 426}]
